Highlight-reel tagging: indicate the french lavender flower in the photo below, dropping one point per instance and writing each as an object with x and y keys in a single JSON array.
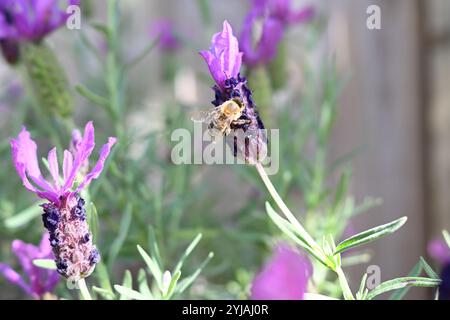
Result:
[
  {"x": 273, "y": 17},
  {"x": 224, "y": 61},
  {"x": 164, "y": 30},
  {"x": 439, "y": 250},
  {"x": 284, "y": 277},
  {"x": 64, "y": 216},
  {"x": 24, "y": 24},
  {"x": 41, "y": 282}
]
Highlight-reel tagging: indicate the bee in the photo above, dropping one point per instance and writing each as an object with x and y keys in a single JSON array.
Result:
[{"x": 222, "y": 119}]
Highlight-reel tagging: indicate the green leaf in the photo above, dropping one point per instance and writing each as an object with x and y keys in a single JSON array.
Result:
[
  {"x": 93, "y": 222},
  {"x": 127, "y": 293},
  {"x": 173, "y": 282},
  {"x": 125, "y": 223},
  {"x": 362, "y": 287},
  {"x": 402, "y": 283},
  {"x": 45, "y": 264},
  {"x": 92, "y": 97},
  {"x": 290, "y": 231},
  {"x": 187, "y": 252},
  {"x": 154, "y": 249},
  {"x": 104, "y": 293},
  {"x": 127, "y": 283},
  {"x": 370, "y": 235},
  {"x": 103, "y": 277},
  {"x": 401, "y": 293},
  {"x": 143, "y": 284},
  {"x": 446, "y": 236},
  {"x": 152, "y": 266},
  {"x": 186, "y": 282},
  {"x": 428, "y": 270},
  {"x": 23, "y": 217}
]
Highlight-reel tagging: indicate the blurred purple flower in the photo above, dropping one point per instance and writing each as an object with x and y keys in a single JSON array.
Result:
[
  {"x": 439, "y": 250},
  {"x": 284, "y": 277},
  {"x": 273, "y": 16},
  {"x": 32, "y": 20},
  {"x": 164, "y": 30},
  {"x": 64, "y": 216},
  {"x": 40, "y": 281},
  {"x": 283, "y": 11},
  {"x": 223, "y": 58}
]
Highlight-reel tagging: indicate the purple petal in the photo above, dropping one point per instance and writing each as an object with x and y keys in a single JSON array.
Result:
[
  {"x": 95, "y": 172},
  {"x": 439, "y": 250},
  {"x": 85, "y": 148},
  {"x": 266, "y": 47},
  {"x": 67, "y": 164},
  {"x": 301, "y": 16},
  {"x": 54, "y": 168},
  {"x": 24, "y": 156},
  {"x": 25, "y": 253},
  {"x": 224, "y": 59},
  {"x": 14, "y": 278},
  {"x": 285, "y": 276}
]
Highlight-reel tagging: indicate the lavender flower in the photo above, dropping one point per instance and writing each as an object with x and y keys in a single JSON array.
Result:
[
  {"x": 40, "y": 281},
  {"x": 439, "y": 250},
  {"x": 31, "y": 20},
  {"x": 274, "y": 16},
  {"x": 224, "y": 61},
  {"x": 165, "y": 31},
  {"x": 285, "y": 276},
  {"x": 283, "y": 11},
  {"x": 444, "y": 288},
  {"x": 64, "y": 215}
]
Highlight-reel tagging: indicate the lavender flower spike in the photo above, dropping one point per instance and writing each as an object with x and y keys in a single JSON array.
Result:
[
  {"x": 32, "y": 20},
  {"x": 41, "y": 282},
  {"x": 64, "y": 215},
  {"x": 285, "y": 277},
  {"x": 223, "y": 58},
  {"x": 224, "y": 61}
]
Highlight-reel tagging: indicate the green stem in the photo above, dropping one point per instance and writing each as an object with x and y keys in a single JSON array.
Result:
[
  {"x": 84, "y": 290},
  {"x": 280, "y": 203},
  {"x": 348, "y": 295}
]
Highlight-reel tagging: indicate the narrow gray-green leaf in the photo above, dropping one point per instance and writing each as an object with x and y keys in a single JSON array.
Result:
[
  {"x": 143, "y": 284},
  {"x": 173, "y": 282},
  {"x": 289, "y": 231},
  {"x": 117, "y": 244},
  {"x": 45, "y": 264},
  {"x": 127, "y": 283},
  {"x": 402, "y": 283},
  {"x": 187, "y": 252},
  {"x": 428, "y": 270},
  {"x": 127, "y": 293},
  {"x": 152, "y": 266},
  {"x": 401, "y": 293},
  {"x": 104, "y": 293},
  {"x": 186, "y": 282},
  {"x": 370, "y": 235},
  {"x": 446, "y": 236},
  {"x": 23, "y": 217}
]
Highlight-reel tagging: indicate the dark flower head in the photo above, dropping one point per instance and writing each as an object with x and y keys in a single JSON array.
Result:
[
  {"x": 284, "y": 277},
  {"x": 64, "y": 216},
  {"x": 444, "y": 288},
  {"x": 40, "y": 281},
  {"x": 32, "y": 20}
]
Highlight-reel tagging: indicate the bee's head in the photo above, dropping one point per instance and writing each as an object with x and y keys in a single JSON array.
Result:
[{"x": 232, "y": 107}]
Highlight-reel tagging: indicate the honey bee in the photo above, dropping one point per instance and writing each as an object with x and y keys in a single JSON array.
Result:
[{"x": 222, "y": 119}]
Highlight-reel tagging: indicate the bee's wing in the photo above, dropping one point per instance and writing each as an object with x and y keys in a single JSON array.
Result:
[{"x": 204, "y": 115}]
